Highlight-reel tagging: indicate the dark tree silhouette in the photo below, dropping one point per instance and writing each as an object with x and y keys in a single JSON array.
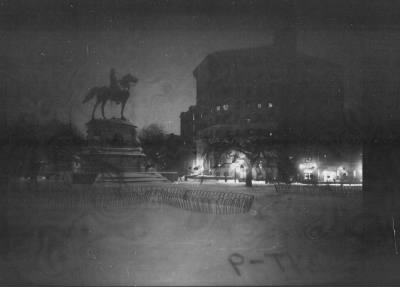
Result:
[
  {"x": 152, "y": 138},
  {"x": 29, "y": 144},
  {"x": 163, "y": 151}
]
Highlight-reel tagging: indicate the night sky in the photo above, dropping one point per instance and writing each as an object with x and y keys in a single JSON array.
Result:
[{"x": 57, "y": 50}]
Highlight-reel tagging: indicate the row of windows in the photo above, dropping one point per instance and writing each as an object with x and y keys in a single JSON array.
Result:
[
  {"x": 225, "y": 107},
  {"x": 255, "y": 115}
]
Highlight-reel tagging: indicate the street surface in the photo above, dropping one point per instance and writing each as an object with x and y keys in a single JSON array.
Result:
[{"x": 286, "y": 238}]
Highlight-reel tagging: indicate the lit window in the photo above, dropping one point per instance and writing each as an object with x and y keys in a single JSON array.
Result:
[
  {"x": 259, "y": 106},
  {"x": 218, "y": 108},
  {"x": 270, "y": 134},
  {"x": 226, "y": 107},
  {"x": 270, "y": 105}
]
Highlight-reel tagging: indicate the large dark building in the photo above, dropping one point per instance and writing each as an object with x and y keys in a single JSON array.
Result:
[{"x": 294, "y": 99}]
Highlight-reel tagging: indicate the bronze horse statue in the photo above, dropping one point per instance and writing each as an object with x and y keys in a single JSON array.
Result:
[{"x": 104, "y": 94}]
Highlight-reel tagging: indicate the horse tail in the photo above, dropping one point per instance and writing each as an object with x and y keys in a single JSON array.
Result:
[{"x": 90, "y": 95}]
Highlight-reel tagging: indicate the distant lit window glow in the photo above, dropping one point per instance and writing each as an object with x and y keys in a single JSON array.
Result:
[{"x": 308, "y": 165}]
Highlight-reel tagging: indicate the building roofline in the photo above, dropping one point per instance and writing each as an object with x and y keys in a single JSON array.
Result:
[{"x": 265, "y": 49}]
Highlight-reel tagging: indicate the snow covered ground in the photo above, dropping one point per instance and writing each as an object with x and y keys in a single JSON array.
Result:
[{"x": 286, "y": 238}]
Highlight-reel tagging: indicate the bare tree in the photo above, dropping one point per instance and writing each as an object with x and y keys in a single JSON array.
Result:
[{"x": 255, "y": 146}]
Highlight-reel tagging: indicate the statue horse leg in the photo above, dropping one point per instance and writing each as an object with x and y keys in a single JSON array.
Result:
[
  {"x": 103, "y": 103},
  {"x": 95, "y": 107},
  {"x": 123, "y": 102}
]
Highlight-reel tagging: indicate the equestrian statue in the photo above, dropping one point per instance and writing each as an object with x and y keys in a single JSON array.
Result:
[{"x": 117, "y": 92}]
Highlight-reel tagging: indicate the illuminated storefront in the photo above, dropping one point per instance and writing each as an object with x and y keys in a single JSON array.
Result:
[
  {"x": 330, "y": 171},
  {"x": 308, "y": 170}
]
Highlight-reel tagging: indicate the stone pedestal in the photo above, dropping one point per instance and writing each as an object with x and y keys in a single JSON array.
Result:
[
  {"x": 109, "y": 159},
  {"x": 113, "y": 154},
  {"x": 112, "y": 133}
]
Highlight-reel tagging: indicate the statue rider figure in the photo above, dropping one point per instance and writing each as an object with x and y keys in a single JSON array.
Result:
[{"x": 114, "y": 85}]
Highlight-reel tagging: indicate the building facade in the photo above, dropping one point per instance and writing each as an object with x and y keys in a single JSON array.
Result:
[{"x": 291, "y": 98}]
